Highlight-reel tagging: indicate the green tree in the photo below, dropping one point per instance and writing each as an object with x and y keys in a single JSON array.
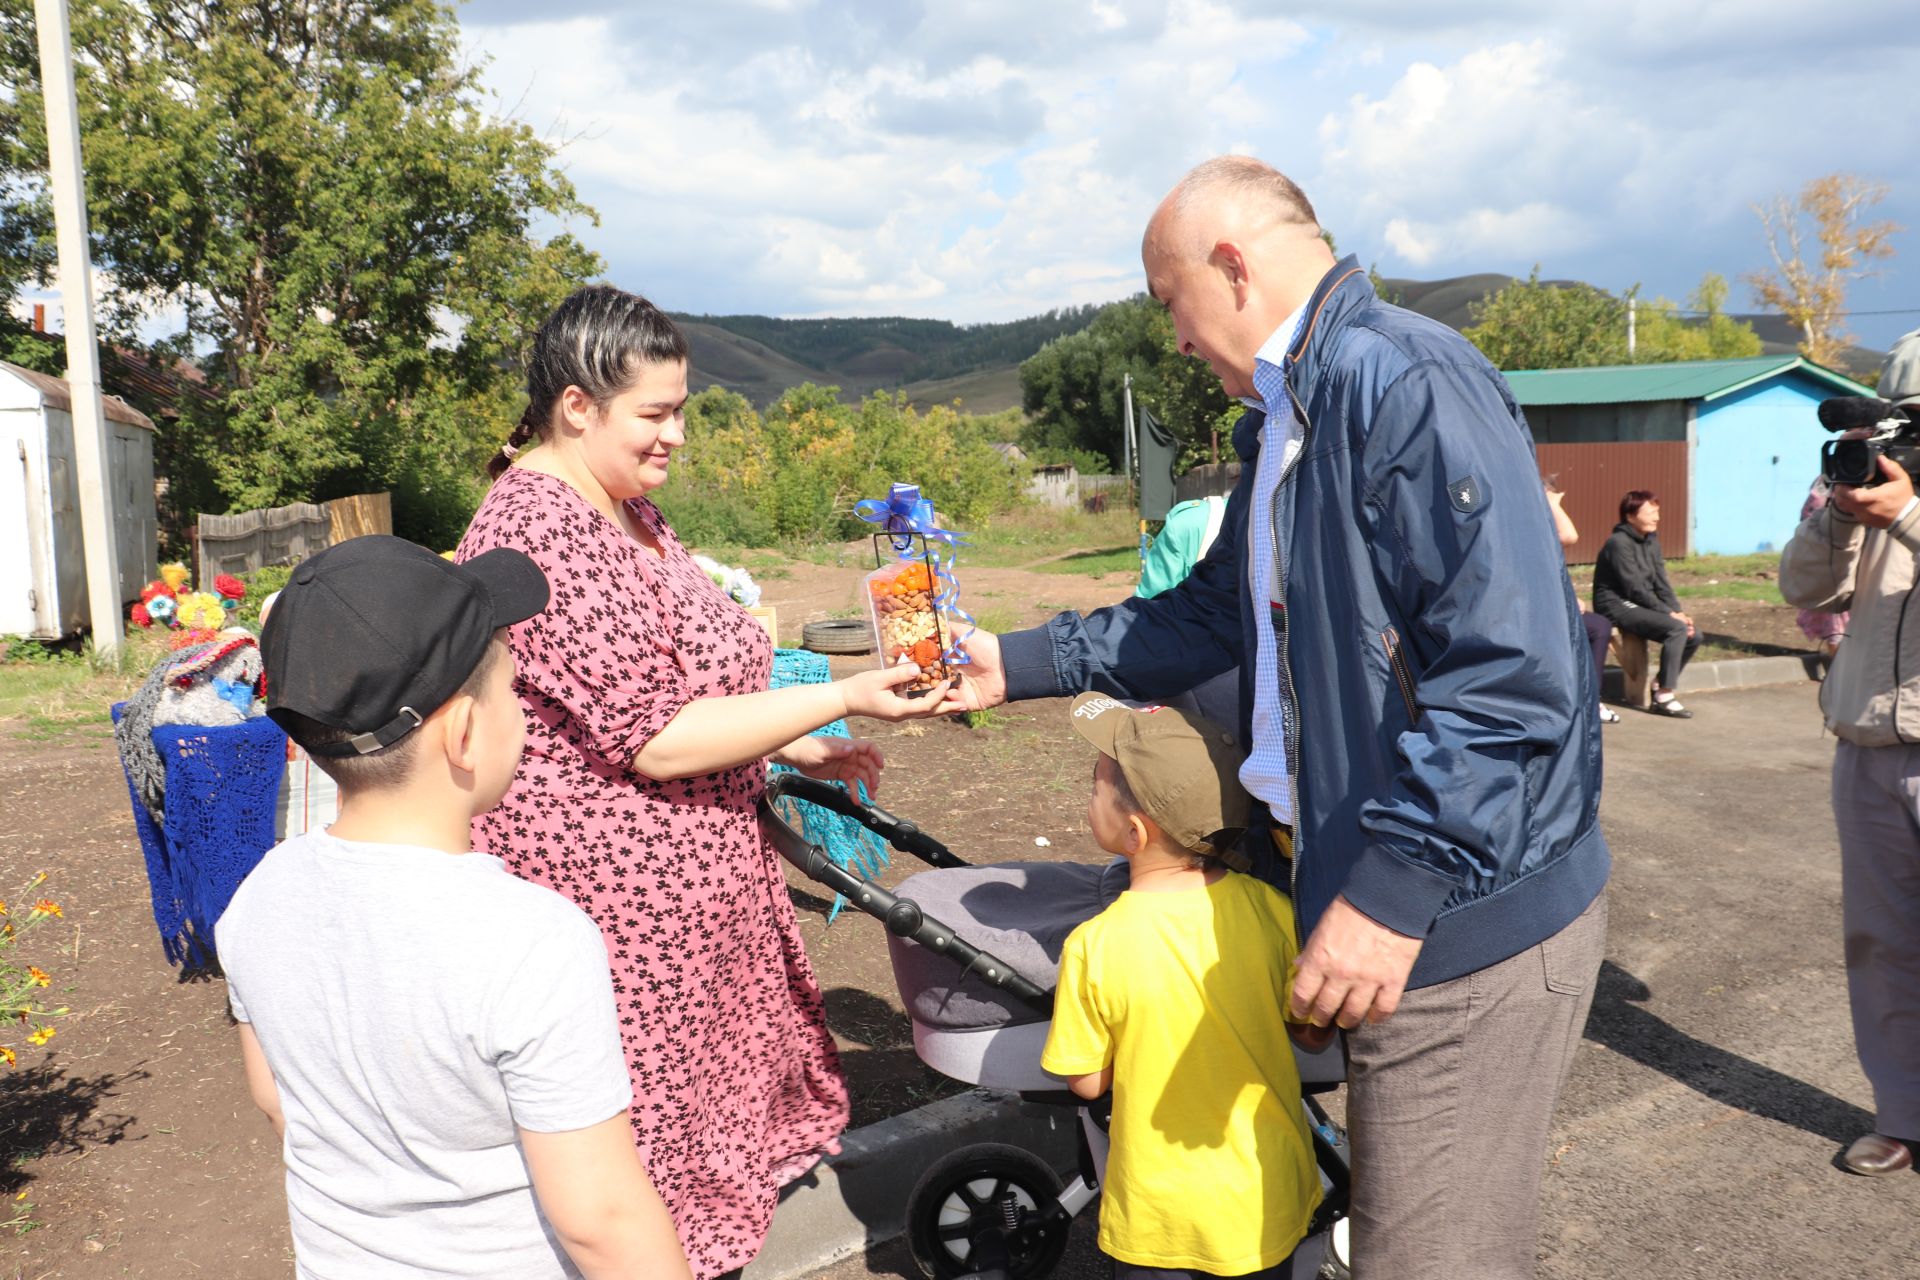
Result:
[
  {"x": 1072, "y": 388},
  {"x": 1530, "y": 325},
  {"x": 1663, "y": 334},
  {"x": 350, "y": 231}
]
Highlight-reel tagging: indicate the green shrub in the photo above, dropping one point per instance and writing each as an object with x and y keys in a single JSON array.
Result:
[
  {"x": 261, "y": 583},
  {"x": 795, "y": 474}
]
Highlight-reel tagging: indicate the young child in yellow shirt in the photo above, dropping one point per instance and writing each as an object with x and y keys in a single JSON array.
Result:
[{"x": 1173, "y": 998}]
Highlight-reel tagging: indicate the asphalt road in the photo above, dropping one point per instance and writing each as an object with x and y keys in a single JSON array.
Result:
[{"x": 1717, "y": 1083}]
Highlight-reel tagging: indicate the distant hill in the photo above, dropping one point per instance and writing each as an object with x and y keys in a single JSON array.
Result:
[
  {"x": 938, "y": 362},
  {"x": 932, "y": 361}
]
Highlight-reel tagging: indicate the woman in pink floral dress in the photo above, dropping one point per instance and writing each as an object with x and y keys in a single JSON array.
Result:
[{"x": 649, "y": 722}]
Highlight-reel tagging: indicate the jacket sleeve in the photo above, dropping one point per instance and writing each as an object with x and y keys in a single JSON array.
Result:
[
  {"x": 1663, "y": 587},
  {"x": 1606, "y": 578},
  {"x": 1478, "y": 579},
  {"x": 1141, "y": 648},
  {"x": 1817, "y": 568}
]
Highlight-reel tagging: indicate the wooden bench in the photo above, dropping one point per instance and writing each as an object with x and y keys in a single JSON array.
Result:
[{"x": 1636, "y": 671}]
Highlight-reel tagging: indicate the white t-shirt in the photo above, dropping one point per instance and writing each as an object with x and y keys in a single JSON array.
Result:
[{"x": 415, "y": 1006}]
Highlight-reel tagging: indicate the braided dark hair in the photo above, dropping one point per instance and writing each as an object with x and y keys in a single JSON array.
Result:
[{"x": 597, "y": 340}]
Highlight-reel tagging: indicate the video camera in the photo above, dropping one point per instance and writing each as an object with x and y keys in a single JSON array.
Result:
[{"x": 1891, "y": 433}]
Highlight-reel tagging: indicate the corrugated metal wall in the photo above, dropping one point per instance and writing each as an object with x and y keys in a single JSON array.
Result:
[{"x": 1596, "y": 475}]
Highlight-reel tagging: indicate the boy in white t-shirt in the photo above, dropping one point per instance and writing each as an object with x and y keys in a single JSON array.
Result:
[{"x": 434, "y": 1039}]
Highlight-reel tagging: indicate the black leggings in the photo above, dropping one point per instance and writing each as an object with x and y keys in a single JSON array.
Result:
[
  {"x": 1599, "y": 635},
  {"x": 1676, "y": 646}
]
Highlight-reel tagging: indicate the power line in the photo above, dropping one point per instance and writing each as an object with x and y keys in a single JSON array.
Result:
[{"x": 1773, "y": 313}]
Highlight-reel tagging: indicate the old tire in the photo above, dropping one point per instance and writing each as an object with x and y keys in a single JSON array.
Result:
[
  {"x": 838, "y": 635},
  {"x": 959, "y": 1193}
]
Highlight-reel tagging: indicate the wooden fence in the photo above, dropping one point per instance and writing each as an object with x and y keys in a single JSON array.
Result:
[
  {"x": 1098, "y": 493},
  {"x": 251, "y": 540},
  {"x": 358, "y": 516},
  {"x": 1206, "y": 480}
]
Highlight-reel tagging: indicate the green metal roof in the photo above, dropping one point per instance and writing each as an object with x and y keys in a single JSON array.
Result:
[{"x": 1681, "y": 380}]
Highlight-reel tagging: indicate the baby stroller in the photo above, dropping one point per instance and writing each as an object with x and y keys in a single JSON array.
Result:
[{"x": 975, "y": 954}]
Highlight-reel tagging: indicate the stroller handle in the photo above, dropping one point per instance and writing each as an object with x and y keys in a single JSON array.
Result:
[
  {"x": 902, "y": 916},
  {"x": 898, "y": 832}
]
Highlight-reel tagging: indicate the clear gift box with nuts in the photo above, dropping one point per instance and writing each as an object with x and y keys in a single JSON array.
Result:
[{"x": 903, "y": 599}]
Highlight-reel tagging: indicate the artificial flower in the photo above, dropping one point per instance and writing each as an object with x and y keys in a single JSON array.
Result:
[
  {"x": 737, "y": 584},
  {"x": 140, "y": 617},
  {"x": 230, "y": 590},
  {"x": 162, "y": 609},
  {"x": 175, "y": 575},
  {"x": 201, "y": 611},
  {"x": 155, "y": 588}
]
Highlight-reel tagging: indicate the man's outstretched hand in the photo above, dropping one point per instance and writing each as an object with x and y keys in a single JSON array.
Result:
[
  {"x": 1351, "y": 970},
  {"x": 981, "y": 683}
]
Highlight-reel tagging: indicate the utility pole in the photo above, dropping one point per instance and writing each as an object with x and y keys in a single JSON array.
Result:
[
  {"x": 1126, "y": 436},
  {"x": 1632, "y": 302},
  {"x": 76, "y": 296}
]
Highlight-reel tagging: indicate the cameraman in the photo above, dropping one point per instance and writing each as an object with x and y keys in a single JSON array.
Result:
[{"x": 1859, "y": 552}]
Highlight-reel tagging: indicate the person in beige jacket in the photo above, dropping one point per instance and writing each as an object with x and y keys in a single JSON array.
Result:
[{"x": 1859, "y": 552}]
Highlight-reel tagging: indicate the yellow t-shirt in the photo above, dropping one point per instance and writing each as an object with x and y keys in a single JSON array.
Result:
[{"x": 1211, "y": 1167}]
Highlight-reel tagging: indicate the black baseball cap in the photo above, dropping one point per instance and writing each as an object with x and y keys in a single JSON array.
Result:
[{"x": 375, "y": 634}]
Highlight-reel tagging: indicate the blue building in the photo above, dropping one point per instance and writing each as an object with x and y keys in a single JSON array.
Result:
[{"x": 1731, "y": 446}]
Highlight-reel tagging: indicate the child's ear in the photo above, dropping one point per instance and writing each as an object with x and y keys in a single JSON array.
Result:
[
  {"x": 461, "y": 725},
  {"x": 1139, "y": 832}
]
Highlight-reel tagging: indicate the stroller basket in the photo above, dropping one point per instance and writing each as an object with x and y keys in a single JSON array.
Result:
[{"x": 902, "y": 916}]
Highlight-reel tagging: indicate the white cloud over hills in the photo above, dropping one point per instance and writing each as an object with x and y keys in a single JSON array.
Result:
[{"x": 987, "y": 160}]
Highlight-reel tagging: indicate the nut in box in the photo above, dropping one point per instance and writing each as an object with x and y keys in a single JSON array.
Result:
[{"x": 907, "y": 626}]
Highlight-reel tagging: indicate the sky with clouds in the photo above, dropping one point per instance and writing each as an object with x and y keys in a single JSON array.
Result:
[{"x": 989, "y": 159}]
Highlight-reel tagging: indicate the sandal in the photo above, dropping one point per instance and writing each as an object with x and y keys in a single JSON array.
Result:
[
  {"x": 1671, "y": 707},
  {"x": 1609, "y": 716}
]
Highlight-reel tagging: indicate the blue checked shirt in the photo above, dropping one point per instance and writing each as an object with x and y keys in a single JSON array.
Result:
[{"x": 1264, "y": 774}]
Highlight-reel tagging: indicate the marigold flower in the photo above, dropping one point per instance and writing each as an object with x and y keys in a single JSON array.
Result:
[
  {"x": 3, "y": 908},
  {"x": 39, "y": 975},
  {"x": 48, "y": 907},
  {"x": 40, "y": 1037},
  {"x": 8, "y": 1056}
]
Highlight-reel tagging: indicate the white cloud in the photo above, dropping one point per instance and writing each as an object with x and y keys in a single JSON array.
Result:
[
  {"x": 960, "y": 171},
  {"x": 1487, "y": 153},
  {"x": 991, "y": 159}
]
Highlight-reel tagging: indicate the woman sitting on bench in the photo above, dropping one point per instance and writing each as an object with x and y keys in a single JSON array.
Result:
[{"x": 1630, "y": 589}]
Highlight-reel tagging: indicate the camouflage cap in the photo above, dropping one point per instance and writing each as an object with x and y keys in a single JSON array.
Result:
[{"x": 1183, "y": 768}]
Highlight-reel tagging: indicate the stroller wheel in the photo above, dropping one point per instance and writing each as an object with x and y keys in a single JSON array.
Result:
[{"x": 985, "y": 1208}]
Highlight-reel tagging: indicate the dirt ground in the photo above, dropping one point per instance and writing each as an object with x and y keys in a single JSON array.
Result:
[{"x": 131, "y": 1145}]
